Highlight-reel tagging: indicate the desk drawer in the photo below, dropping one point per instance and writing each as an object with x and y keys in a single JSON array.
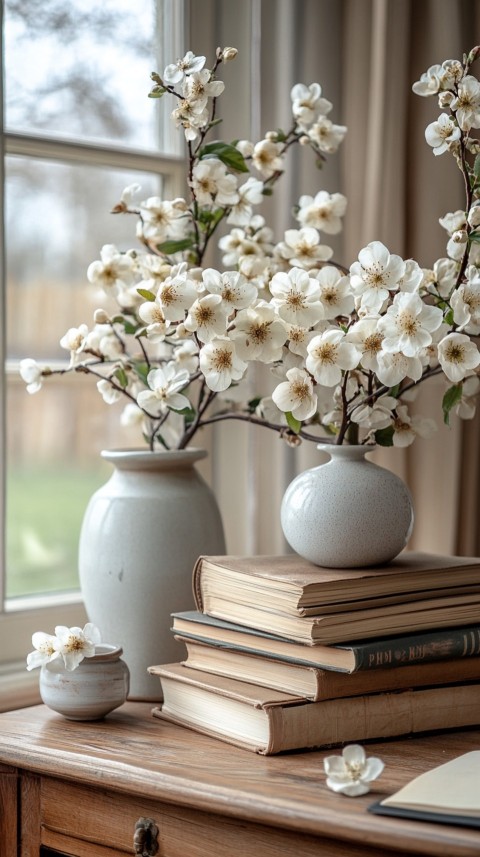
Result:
[{"x": 98, "y": 823}]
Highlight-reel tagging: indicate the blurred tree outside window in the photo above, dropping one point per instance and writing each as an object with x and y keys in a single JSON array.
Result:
[{"x": 79, "y": 128}]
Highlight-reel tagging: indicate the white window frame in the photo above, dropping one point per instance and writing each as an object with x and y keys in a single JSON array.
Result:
[{"x": 19, "y": 617}]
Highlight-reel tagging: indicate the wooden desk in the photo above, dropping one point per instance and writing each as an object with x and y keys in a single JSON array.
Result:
[{"x": 79, "y": 789}]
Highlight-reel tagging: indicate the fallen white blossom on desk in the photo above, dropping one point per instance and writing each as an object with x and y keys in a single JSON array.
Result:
[{"x": 352, "y": 772}]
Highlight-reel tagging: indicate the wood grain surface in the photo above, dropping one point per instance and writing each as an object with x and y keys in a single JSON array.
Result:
[{"x": 137, "y": 764}]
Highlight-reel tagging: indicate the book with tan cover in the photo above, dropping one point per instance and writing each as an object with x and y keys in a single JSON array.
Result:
[
  {"x": 269, "y": 722},
  {"x": 316, "y": 684},
  {"x": 291, "y": 584},
  {"x": 342, "y": 627}
]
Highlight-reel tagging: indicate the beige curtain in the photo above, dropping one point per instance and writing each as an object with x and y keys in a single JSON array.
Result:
[{"x": 366, "y": 54}]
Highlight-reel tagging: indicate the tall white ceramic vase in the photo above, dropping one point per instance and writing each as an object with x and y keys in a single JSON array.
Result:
[
  {"x": 141, "y": 535},
  {"x": 348, "y": 512}
]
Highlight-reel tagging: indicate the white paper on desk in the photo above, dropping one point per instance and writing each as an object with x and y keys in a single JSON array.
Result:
[{"x": 452, "y": 788}]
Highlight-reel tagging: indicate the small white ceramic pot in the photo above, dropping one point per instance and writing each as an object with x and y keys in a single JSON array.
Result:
[
  {"x": 348, "y": 512},
  {"x": 97, "y": 686}
]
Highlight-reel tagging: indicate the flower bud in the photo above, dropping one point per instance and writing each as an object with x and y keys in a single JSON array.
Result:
[
  {"x": 272, "y": 136},
  {"x": 304, "y": 140},
  {"x": 100, "y": 316},
  {"x": 245, "y": 147},
  {"x": 445, "y": 99},
  {"x": 229, "y": 54},
  {"x": 460, "y": 236}
]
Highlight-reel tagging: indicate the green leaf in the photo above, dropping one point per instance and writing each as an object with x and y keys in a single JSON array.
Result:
[
  {"x": 384, "y": 437},
  {"x": 145, "y": 293},
  {"x": 281, "y": 136},
  {"x": 229, "y": 155},
  {"x": 188, "y": 413},
  {"x": 450, "y": 399},
  {"x": 121, "y": 377},
  {"x": 267, "y": 191},
  {"x": 294, "y": 424},
  {"x": 142, "y": 370},
  {"x": 253, "y": 404},
  {"x": 449, "y": 317},
  {"x": 170, "y": 247},
  {"x": 476, "y": 168},
  {"x": 129, "y": 327},
  {"x": 157, "y": 92},
  {"x": 474, "y": 237}
]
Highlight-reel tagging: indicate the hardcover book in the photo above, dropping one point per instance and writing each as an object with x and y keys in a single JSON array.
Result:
[
  {"x": 448, "y": 794},
  {"x": 269, "y": 722},
  {"x": 290, "y": 584},
  {"x": 315, "y": 684},
  {"x": 342, "y": 627},
  {"x": 383, "y": 653}
]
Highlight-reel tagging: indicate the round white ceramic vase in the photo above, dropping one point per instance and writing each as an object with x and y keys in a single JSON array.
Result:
[
  {"x": 141, "y": 536},
  {"x": 97, "y": 686},
  {"x": 348, "y": 512}
]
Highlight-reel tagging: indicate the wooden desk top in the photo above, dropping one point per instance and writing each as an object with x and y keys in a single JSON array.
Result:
[{"x": 132, "y": 753}]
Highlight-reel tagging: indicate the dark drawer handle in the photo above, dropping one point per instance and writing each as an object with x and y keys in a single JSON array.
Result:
[{"x": 145, "y": 838}]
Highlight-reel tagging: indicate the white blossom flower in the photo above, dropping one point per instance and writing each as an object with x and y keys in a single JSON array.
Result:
[
  {"x": 376, "y": 273},
  {"x": 220, "y": 363},
  {"x": 296, "y": 297},
  {"x": 296, "y": 395},
  {"x": 466, "y": 407},
  {"x": 75, "y": 644},
  {"x": 186, "y": 356},
  {"x": 474, "y": 215},
  {"x": 325, "y": 135},
  {"x": 199, "y": 87},
  {"x": 323, "y": 211},
  {"x": 131, "y": 415},
  {"x": 46, "y": 649},
  {"x": 465, "y": 302},
  {"x": 307, "y": 103},
  {"x": 267, "y": 158},
  {"x": 191, "y": 117},
  {"x": 259, "y": 334},
  {"x": 367, "y": 337},
  {"x": 393, "y": 367},
  {"x": 165, "y": 384},
  {"x": 453, "y": 220},
  {"x": 335, "y": 292},
  {"x": 457, "y": 355},
  {"x": 441, "y": 278},
  {"x": 329, "y": 354},
  {"x": 177, "y": 294},
  {"x": 408, "y": 324},
  {"x": 442, "y": 133},
  {"x": 250, "y": 193},
  {"x": 412, "y": 278},
  {"x": 207, "y": 317},
  {"x": 406, "y": 428},
  {"x": 466, "y": 104},
  {"x": 75, "y": 341},
  {"x": 430, "y": 81},
  {"x": 352, "y": 772},
  {"x": 175, "y": 72},
  {"x": 152, "y": 314},
  {"x": 299, "y": 337},
  {"x": 31, "y": 373},
  {"x": 162, "y": 219},
  {"x": 234, "y": 289},
  {"x": 211, "y": 183},
  {"x": 302, "y": 248},
  {"x": 108, "y": 393},
  {"x": 375, "y": 416},
  {"x": 113, "y": 268}
]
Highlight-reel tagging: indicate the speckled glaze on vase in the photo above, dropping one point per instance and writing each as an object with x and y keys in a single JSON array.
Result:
[
  {"x": 348, "y": 512},
  {"x": 141, "y": 535},
  {"x": 97, "y": 686}
]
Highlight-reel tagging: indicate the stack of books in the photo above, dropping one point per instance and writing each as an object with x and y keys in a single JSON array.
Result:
[{"x": 285, "y": 655}]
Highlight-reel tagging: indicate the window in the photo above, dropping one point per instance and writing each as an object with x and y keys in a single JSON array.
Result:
[{"x": 76, "y": 132}]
